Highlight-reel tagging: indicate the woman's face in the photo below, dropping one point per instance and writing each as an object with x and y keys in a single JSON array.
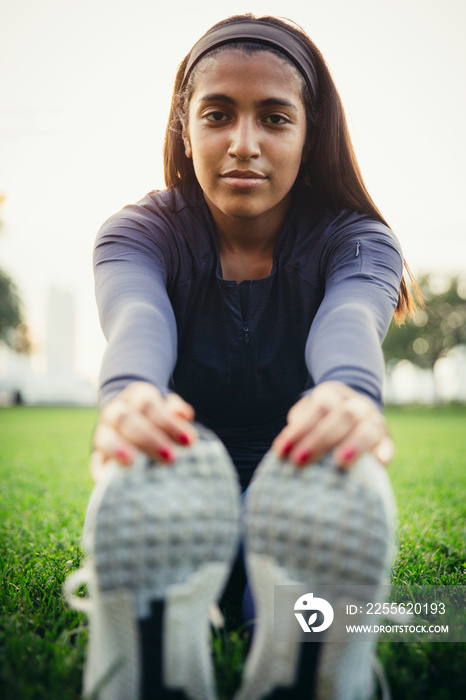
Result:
[{"x": 246, "y": 134}]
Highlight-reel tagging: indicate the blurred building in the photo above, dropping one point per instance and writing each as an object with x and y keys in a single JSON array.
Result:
[
  {"x": 59, "y": 383},
  {"x": 61, "y": 332}
]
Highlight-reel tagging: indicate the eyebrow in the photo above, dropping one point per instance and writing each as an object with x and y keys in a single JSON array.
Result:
[{"x": 269, "y": 102}]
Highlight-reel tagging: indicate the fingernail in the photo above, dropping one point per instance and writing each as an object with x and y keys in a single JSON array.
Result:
[
  {"x": 286, "y": 449},
  {"x": 165, "y": 453},
  {"x": 184, "y": 439},
  {"x": 303, "y": 456},
  {"x": 349, "y": 453},
  {"x": 123, "y": 454}
]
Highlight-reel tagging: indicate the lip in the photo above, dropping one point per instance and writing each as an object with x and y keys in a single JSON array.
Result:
[{"x": 243, "y": 179}]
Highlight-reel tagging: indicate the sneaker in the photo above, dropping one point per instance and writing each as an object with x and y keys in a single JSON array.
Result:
[
  {"x": 161, "y": 540},
  {"x": 314, "y": 526}
]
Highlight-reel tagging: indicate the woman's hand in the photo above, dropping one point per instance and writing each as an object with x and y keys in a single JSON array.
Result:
[
  {"x": 334, "y": 417},
  {"x": 140, "y": 418}
]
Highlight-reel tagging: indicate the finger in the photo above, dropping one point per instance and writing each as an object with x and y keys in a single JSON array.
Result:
[
  {"x": 110, "y": 445},
  {"x": 331, "y": 430},
  {"x": 384, "y": 451},
  {"x": 303, "y": 416},
  {"x": 164, "y": 416},
  {"x": 171, "y": 416},
  {"x": 138, "y": 430},
  {"x": 97, "y": 465},
  {"x": 364, "y": 438},
  {"x": 179, "y": 407}
]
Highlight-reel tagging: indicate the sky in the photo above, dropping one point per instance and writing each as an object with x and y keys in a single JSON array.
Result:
[{"x": 85, "y": 89}]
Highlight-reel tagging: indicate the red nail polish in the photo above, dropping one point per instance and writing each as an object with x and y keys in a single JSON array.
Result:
[
  {"x": 303, "y": 456},
  {"x": 287, "y": 448},
  {"x": 123, "y": 454},
  {"x": 349, "y": 453},
  {"x": 165, "y": 453},
  {"x": 184, "y": 439}
]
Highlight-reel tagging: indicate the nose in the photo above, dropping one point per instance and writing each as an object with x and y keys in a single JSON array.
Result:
[{"x": 245, "y": 140}]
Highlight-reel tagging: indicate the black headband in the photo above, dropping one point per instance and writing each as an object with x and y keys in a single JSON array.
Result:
[{"x": 262, "y": 33}]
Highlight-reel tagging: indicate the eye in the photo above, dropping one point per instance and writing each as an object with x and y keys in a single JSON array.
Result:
[
  {"x": 215, "y": 117},
  {"x": 276, "y": 119}
]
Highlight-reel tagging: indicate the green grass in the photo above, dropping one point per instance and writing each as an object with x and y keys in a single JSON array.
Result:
[
  {"x": 44, "y": 489},
  {"x": 429, "y": 479},
  {"x": 45, "y": 485}
]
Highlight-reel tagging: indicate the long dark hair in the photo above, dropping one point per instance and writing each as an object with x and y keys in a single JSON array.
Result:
[{"x": 330, "y": 170}]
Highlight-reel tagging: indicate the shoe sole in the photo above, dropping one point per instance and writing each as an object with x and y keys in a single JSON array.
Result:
[
  {"x": 314, "y": 525},
  {"x": 159, "y": 533}
]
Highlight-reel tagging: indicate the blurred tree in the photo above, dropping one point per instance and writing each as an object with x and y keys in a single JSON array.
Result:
[
  {"x": 433, "y": 330},
  {"x": 13, "y": 331}
]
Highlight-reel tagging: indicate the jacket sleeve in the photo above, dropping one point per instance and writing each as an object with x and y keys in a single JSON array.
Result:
[
  {"x": 362, "y": 269},
  {"x": 130, "y": 267}
]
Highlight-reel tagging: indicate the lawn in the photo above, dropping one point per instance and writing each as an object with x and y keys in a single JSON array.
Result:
[{"x": 45, "y": 487}]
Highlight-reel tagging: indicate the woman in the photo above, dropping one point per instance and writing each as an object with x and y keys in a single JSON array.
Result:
[{"x": 253, "y": 295}]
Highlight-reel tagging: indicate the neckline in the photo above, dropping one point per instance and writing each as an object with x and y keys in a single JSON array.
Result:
[{"x": 278, "y": 246}]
